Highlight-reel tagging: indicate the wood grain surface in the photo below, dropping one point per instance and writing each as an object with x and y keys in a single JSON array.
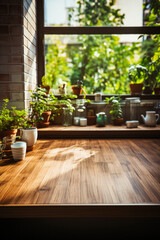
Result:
[{"x": 84, "y": 171}]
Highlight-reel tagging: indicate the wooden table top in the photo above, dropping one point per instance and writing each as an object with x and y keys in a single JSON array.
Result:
[{"x": 83, "y": 172}]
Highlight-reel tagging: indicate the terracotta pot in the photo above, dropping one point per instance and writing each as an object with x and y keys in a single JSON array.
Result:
[
  {"x": 77, "y": 90},
  {"x": 46, "y": 116},
  {"x": 118, "y": 122},
  {"x": 42, "y": 124},
  {"x": 47, "y": 88},
  {"x": 157, "y": 90},
  {"x": 136, "y": 88},
  {"x": 45, "y": 123},
  {"x": 8, "y": 133}
]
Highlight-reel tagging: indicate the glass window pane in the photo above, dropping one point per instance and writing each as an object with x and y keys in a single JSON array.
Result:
[
  {"x": 93, "y": 13},
  {"x": 100, "y": 61}
]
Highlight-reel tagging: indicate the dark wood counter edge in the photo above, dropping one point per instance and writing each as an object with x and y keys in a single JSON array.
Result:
[
  {"x": 82, "y": 210},
  {"x": 48, "y": 134}
]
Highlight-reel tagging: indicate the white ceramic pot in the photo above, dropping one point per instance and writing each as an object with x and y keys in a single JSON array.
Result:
[
  {"x": 83, "y": 122},
  {"x": 132, "y": 124},
  {"x": 29, "y": 135}
]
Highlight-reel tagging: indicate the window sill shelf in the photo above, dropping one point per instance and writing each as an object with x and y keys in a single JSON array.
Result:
[{"x": 109, "y": 131}]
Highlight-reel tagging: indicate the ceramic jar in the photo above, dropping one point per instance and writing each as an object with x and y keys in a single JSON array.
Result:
[{"x": 29, "y": 135}]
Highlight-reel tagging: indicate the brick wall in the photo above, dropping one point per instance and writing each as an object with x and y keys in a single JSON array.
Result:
[
  {"x": 29, "y": 40},
  {"x": 17, "y": 51}
]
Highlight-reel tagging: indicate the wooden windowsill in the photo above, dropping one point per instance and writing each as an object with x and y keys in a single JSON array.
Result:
[{"x": 94, "y": 131}]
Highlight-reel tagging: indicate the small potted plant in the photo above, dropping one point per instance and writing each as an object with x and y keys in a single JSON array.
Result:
[
  {"x": 10, "y": 119},
  {"x": 29, "y": 133},
  {"x": 57, "y": 106},
  {"x": 40, "y": 111},
  {"x": 137, "y": 74},
  {"x": 77, "y": 88},
  {"x": 45, "y": 84},
  {"x": 116, "y": 110}
]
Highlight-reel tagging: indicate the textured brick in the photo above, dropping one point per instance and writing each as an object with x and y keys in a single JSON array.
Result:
[
  {"x": 28, "y": 87},
  {"x": 3, "y": 9},
  {"x": 27, "y": 95},
  {"x": 15, "y": 2},
  {"x": 15, "y": 10},
  {"x": 4, "y": 77},
  {"x": 16, "y": 59},
  {"x": 16, "y": 19},
  {"x": 11, "y": 1},
  {"x": 18, "y": 104},
  {"x": 16, "y": 87},
  {"x": 17, "y": 96},
  {"x": 11, "y": 68},
  {"x": 27, "y": 104},
  {"x": 4, "y": 87},
  {"x": 28, "y": 61},
  {"x": 4, "y": 95},
  {"x": 5, "y": 50},
  {"x": 17, "y": 50},
  {"x": 8, "y": 19},
  {"x": 4, "y": 29},
  {"x": 11, "y": 40},
  {"x": 17, "y": 77},
  {"x": 16, "y": 30},
  {"x": 4, "y": 59}
]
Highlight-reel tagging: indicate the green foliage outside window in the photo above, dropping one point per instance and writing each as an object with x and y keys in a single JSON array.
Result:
[{"x": 100, "y": 61}]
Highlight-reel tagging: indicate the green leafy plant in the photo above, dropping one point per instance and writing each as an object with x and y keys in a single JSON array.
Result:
[
  {"x": 153, "y": 79},
  {"x": 100, "y": 60},
  {"x": 57, "y": 69},
  {"x": 116, "y": 110},
  {"x": 11, "y": 118},
  {"x": 38, "y": 104},
  {"x": 137, "y": 73},
  {"x": 28, "y": 123},
  {"x": 47, "y": 102},
  {"x": 78, "y": 83}
]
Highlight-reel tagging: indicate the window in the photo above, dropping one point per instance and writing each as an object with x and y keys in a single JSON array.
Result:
[{"x": 95, "y": 41}]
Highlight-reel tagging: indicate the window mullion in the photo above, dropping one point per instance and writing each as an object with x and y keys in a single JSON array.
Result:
[{"x": 101, "y": 30}]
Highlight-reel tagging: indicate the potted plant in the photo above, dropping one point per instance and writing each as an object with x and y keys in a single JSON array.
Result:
[
  {"x": 77, "y": 88},
  {"x": 57, "y": 105},
  {"x": 137, "y": 74},
  {"x": 40, "y": 111},
  {"x": 10, "y": 119},
  {"x": 116, "y": 110},
  {"x": 29, "y": 133},
  {"x": 45, "y": 84}
]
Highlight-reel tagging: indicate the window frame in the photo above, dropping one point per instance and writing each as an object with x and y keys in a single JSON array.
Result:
[{"x": 43, "y": 30}]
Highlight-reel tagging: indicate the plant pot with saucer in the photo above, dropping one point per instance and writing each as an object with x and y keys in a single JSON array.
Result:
[
  {"x": 40, "y": 111},
  {"x": 116, "y": 110},
  {"x": 29, "y": 134},
  {"x": 77, "y": 88},
  {"x": 10, "y": 119},
  {"x": 137, "y": 74}
]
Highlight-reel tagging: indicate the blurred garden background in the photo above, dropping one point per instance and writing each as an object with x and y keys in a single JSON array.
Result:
[{"x": 101, "y": 62}]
